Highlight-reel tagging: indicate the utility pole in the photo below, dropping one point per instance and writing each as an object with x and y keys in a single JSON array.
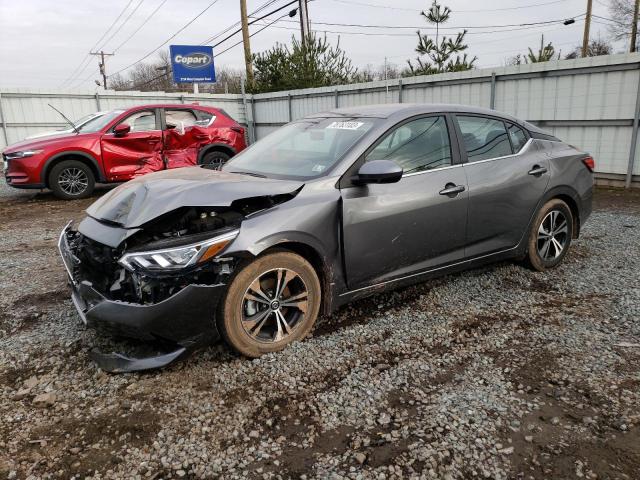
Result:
[
  {"x": 102, "y": 66},
  {"x": 304, "y": 20},
  {"x": 587, "y": 25},
  {"x": 245, "y": 41},
  {"x": 634, "y": 27}
]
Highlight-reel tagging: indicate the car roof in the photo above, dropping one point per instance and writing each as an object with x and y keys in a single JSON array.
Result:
[
  {"x": 387, "y": 110},
  {"x": 399, "y": 111}
]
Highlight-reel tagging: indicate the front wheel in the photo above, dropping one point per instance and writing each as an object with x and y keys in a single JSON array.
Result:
[
  {"x": 270, "y": 303},
  {"x": 71, "y": 179},
  {"x": 550, "y": 235}
]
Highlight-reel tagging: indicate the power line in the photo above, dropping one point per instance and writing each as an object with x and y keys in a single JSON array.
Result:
[
  {"x": 390, "y": 34},
  {"x": 122, "y": 24},
  {"x": 390, "y": 7},
  {"x": 219, "y": 34},
  {"x": 146, "y": 20},
  {"x": 168, "y": 39},
  {"x": 238, "y": 43},
  {"x": 77, "y": 72},
  {"x": 422, "y": 27},
  {"x": 256, "y": 20}
]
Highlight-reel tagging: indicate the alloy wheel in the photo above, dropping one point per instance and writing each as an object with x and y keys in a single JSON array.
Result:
[
  {"x": 73, "y": 181},
  {"x": 552, "y": 235},
  {"x": 214, "y": 163},
  {"x": 274, "y": 305}
]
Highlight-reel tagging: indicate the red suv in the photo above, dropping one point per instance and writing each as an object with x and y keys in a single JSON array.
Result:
[{"x": 123, "y": 144}]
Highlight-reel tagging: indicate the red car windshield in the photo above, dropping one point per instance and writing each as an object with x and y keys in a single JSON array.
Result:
[{"x": 99, "y": 123}]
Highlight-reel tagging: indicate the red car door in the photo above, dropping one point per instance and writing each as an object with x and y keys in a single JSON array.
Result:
[
  {"x": 136, "y": 152},
  {"x": 184, "y": 134}
]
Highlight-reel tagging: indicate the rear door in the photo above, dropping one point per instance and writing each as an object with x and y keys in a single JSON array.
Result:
[
  {"x": 393, "y": 230},
  {"x": 507, "y": 176},
  {"x": 136, "y": 153},
  {"x": 185, "y": 132}
]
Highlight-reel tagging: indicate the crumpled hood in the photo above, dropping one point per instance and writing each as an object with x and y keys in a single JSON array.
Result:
[{"x": 138, "y": 201}]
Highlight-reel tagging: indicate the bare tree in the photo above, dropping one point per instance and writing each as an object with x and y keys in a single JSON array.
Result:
[
  {"x": 595, "y": 48},
  {"x": 621, "y": 11}
]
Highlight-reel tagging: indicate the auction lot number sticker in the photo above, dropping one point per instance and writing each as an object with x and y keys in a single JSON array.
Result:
[{"x": 345, "y": 125}]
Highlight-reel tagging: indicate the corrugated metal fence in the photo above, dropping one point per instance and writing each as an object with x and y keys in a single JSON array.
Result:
[
  {"x": 593, "y": 103},
  {"x": 589, "y": 102}
]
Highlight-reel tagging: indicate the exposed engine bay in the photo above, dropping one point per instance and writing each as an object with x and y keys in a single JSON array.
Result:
[{"x": 98, "y": 263}]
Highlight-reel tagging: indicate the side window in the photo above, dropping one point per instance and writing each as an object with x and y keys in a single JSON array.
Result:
[
  {"x": 419, "y": 145},
  {"x": 141, "y": 121},
  {"x": 483, "y": 137},
  {"x": 204, "y": 118},
  {"x": 174, "y": 117},
  {"x": 517, "y": 136}
]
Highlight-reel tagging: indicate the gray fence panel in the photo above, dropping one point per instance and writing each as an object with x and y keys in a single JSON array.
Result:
[{"x": 589, "y": 102}]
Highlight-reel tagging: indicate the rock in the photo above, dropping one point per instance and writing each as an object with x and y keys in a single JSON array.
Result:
[
  {"x": 31, "y": 382},
  {"x": 22, "y": 393},
  {"x": 254, "y": 434},
  {"x": 384, "y": 419},
  {"x": 507, "y": 451},
  {"x": 181, "y": 473},
  {"x": 360, "y": 458},
  {"x": 528, "y": 438},
  {"x": 45, "y": 399}
]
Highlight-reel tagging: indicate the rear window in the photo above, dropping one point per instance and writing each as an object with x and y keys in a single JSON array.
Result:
[{"x": 483, "y": 137}]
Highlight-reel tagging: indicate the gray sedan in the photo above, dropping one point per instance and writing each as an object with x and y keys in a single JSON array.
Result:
[{"x": 327, "y": 209}]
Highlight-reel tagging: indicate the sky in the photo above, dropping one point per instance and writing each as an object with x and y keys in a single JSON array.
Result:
[{"x": 44, "y": 43}]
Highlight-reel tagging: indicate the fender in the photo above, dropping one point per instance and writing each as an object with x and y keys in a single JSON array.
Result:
[
  {"x": 212, "y": 146},
  {"x": 96, "y": 166},
  {"x": 331, "y": 273}
]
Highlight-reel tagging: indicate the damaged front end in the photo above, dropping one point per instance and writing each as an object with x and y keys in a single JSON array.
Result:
[
  {"x": 161, "y": 284},
  {"x": 144, "y": 265}
]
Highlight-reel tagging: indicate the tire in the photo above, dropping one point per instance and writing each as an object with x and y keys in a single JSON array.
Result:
[
  {"x": 550, "y": 236},
  {"x": 254, "y": 328},
  {"x": 71, "y": 179},
  {"x": 214, "y": 159}
]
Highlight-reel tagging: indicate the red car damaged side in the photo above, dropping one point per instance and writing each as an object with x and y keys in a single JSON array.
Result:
[{"x": 127, "y": 144}]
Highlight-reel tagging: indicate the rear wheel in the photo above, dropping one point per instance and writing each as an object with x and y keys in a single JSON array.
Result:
[
  {"x": 550, "y": 235},
  {"x": 269, "y": 304},
  {"x": 71, "y": 179},
  {"x": 214, "y": 160}
]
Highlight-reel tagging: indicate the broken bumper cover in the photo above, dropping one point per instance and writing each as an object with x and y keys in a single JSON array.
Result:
[{"x": 186, "y": 319}]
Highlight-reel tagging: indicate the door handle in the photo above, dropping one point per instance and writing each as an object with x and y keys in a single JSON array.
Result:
[
  {"x": 537, "y": 170},
  {"x": 451, "y": 189}
]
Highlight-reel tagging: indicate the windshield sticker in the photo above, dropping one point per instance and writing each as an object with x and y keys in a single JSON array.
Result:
[
  {"x": 345, "y": 125},
  {"x": 318, "y": 168}
]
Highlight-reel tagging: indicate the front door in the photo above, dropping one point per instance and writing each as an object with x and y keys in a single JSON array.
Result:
[
  {"x": 137, "y": 152},
  {"x": 393, "y": 230},
  {"x": 507, "y": 177}
]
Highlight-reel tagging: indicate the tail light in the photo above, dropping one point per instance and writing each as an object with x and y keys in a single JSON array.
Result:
[{"x": 590, "y": 163}]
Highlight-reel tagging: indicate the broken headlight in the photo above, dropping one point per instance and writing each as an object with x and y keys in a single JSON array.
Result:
[{"x": 176, "y": 258}]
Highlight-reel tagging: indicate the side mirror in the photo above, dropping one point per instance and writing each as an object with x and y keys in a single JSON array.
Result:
[
  {"x": 121, "y": 129},
  {"x": 379, "y": 171}
]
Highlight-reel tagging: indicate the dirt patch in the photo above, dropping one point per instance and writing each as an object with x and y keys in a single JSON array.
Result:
[
  {"x": 616, "y": 199},
  {"x": 85, "y": 445}
]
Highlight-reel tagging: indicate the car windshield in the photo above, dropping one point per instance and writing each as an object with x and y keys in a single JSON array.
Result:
[
  {"x": 99, "y": 123},
  {"x": 86, "y": 118},
  {"x": 304, "y": 149}
]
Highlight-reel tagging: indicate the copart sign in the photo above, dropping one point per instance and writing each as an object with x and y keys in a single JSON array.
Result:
[{"x": 192, "y": 64}]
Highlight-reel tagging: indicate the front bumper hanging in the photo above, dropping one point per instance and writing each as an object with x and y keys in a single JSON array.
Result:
[{"x": 185, "y": 319}]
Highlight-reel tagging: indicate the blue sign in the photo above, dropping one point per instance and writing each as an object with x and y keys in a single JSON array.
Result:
[{"x": 192, "y": 64}]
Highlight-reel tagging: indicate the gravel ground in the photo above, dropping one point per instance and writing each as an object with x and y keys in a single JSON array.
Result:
[{"x": 499, "y": 372}]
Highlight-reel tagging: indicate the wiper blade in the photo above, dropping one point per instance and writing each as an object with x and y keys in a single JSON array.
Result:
[{"x": 259, "y": 175}]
